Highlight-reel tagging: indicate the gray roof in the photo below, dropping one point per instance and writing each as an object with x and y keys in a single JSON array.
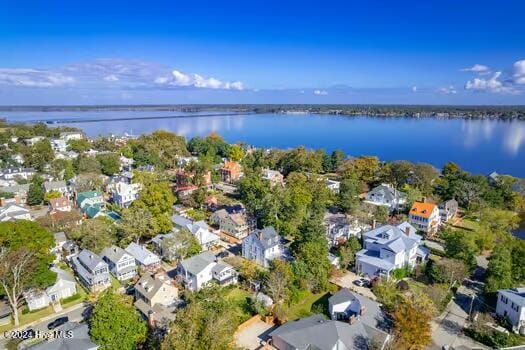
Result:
[
  {"x": 16, "y": 188},
  {"x": 198, "y": 262},
  {"x": 371, "y": 257},
  {"x": 516, "y": 295},
  {"x": 149, "y": 284},
  {"x": 342, "y": 296},
  {"x": 315, "y": 332},
  {"x": 141, "y": 253},
  {"x": 268, "y": 237},
  {"x": 180, "y": 221},
  {"x": 393, "y": 237},
  {"x": 388, "y": 192},
  {"x": 60, "y": 237},
  {"x": 79, "y": 341},
  {"x": 90, "y": 259},
  {"x": 54, "y": 185},
  {"x": 220, "y": 267},
  {"x": 113, "y": 254},
  {"x": 62, "y": 274}
]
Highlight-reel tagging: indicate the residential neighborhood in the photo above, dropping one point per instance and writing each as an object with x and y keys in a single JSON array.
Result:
[{"x": 274, "y": 253}]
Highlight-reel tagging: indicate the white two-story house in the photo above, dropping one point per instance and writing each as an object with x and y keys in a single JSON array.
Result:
[
  {"x": 386, "y": 195},
  {"x": 123, "y": 194},
  {"x": 511, "y": 304},
  {"x": 389, "y": 247},
  {"x": 201, "y": 269},
  {"x": 92, "y": 271},
  {"x": 424, "y": 217},
  {"x": 121, "y": 263},
  {"x": 262, "y": 246}
]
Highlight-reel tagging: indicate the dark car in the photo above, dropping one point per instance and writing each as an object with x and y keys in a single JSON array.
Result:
[
  {"x": 223, "y": 254},
  {"x": 58, "y": 322}
]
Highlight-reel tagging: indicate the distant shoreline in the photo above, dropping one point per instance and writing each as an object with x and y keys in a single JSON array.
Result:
[{"x": 386, "y": 111}]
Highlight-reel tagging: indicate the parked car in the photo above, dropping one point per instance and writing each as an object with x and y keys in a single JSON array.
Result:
[
  {"x": 223, "y": 254},
  {"x": 362, "y": 282},
  {"x": 58, "y": 322}
]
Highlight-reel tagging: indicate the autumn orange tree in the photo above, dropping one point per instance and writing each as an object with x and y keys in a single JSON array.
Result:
[{"x": 412, "y": 322}]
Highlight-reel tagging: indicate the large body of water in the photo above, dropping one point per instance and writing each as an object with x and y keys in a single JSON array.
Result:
[{"x": 479, "y": 146}]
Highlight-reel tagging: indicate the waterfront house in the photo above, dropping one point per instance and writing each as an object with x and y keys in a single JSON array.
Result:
[
  {"x": 92, "y": 271},
  {"x": 71, "y": 135},
  {"x": 424, "y": 217},
  {"x": 144, "y": 258},
  {"x": 511, "y": 305},
  {"x": 386, "y": 195},
  {"x": 262, "y": 246},
  {"x": 448, "y": 210},
  {"x": 156, "y": 298},
  {"x": 121, "y": 264},
  {"x": 389, "y": 247},
  {"x": 231, "y": 171},
  {"x": 203, "y": 268}
]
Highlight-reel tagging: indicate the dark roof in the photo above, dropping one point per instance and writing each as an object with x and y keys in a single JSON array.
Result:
[{"x": 79, "y": 341}]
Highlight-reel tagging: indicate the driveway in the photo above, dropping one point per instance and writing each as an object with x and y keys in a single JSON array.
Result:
[
  {"x": 447, "y": 329},
  {"x": 347, "y": 281},
  {"x": 251, "y": 337}
]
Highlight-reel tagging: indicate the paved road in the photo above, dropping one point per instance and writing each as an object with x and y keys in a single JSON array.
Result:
[
  {"x": 447, "y": 329},
  {"x": 75, "y": 314}
]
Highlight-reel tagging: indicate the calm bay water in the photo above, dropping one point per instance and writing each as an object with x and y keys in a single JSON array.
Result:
[{"x": 479, "y": 146}]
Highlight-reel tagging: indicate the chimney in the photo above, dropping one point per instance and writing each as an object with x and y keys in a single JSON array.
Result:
[
  {"x": 362, "y": 311},
  {"x": 374, "y": 224},
  {"x": 151, "y": 319},
  {"x": 407, "y": 230}
]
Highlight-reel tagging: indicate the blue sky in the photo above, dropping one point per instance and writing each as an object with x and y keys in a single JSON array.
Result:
[{"x": 124, "y": 52}]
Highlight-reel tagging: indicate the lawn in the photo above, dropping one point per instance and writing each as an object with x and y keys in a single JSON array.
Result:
[
  {"x": 29, "y": 317},
  {"x": 309, "y": 303},
  {"x": 241, "y": 303}
]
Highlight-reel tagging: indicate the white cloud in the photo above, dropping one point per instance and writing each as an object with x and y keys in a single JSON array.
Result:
[
  {"x": 111, "y": 77},
  {"x": 477, "y": 68},
  {"x": 108, "y": 72},
  {"x": 320, "y": 92},
  {"x": 518, "y": 69},
  {"x": 492, "y": 84},
  {"x": 28, "y": 77},
  {"x": 414, "y": 88},
  {"x": 448, "y": 90},
  {"x": 180, "y": 79}
]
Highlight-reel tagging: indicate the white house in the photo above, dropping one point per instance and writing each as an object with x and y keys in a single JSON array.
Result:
[
  {"x": 143, "y": 256},
  {"x": 511, "y": 304},
  {"x": 333, "y": 185},
  {"x": 56, "y": 186},
  {"x": 202, "y": 232},
  {"x": 36, "y": 299},
  {"x": 17, "y": 172},
  {"x": 386, "y": 195},
  {"x": 424, "y": 216},
  {"x": 92, "y": 271},
  {"x": 123, "y": 194},
  {"x": 13, "y": 212},
  {"x": 64, "y": 286},
  {"x": 262, "y": 246},
  {"x": 389, "y": 247},
  {"x": 71, "y": 135},
  {"x": 121, "y": 263},
  {"x": 33, "y": 140},
  {"x": 59, "y": 145},
  {"x": 201, "y": 269}
]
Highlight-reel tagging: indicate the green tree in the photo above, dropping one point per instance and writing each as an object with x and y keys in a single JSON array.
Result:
[
  {"x": 41, "y": 154},
  {"x": 115, "y": 323},
  {"x": 412, "y": 322},
  {"x": 462, "y": 246},
  {"x": 24, "y": 259},
  {"x": 278, "y": 280},
  {"x": 35, "y": 194},
  {"x": 136, "y": 223},
  {"x": 158, "y": 199},
  {"x": 51, "y": 195},
  {"x": 109, "y": 163},
  {"x": 337, "y": 158},
  {"x": 79, "y": 146},
  {"x": 236, "y": 153},
  {"x": 183, "y": 245},
  {"x": 347, "y": 251},
  {"x": 499, "y": 272},
  {"x": 95, "y": 234},
  {"x": 348, "y": 197}
]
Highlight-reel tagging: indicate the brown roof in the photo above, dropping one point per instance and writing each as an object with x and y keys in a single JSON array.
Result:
[{"x": 59, "y": 202}]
